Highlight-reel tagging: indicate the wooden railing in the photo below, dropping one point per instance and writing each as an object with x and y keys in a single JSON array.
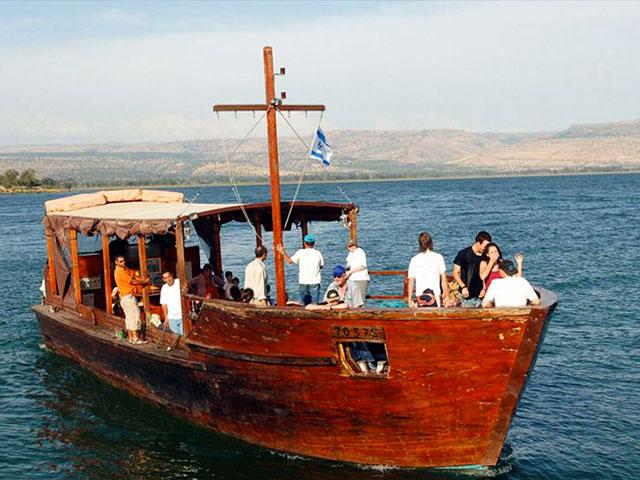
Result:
[{"x": 402, "y": 273}]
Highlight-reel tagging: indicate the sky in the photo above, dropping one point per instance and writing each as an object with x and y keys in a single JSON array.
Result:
[{"x": 98, "y": 72}]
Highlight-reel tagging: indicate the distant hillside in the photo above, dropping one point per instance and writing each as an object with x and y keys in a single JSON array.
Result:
[
  {"x": 358, "y": 155},
  {"x": 619, "y": 129}
]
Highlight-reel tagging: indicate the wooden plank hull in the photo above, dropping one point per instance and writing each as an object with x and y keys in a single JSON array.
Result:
[{"x": 273, "y": 377}]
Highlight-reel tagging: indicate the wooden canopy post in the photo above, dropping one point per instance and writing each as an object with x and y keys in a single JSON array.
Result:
[
  {"x": 258, "y": 226},
  {"x": 182, "y": 276},
  {"x": 304, "y": 226},
  {"x": 75, "y": 270},
  {"x": 106, "y": 268},
  {"x": 270, "y": 106},
  {"x": 353, "y": 228},
  {"x": 53, "y": 287},
  {"x": 217, "y": 250},
  {"x": 142, "y": 257}
]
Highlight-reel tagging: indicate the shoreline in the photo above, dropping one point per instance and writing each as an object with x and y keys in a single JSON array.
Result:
[{"x": 355, "y": 180}]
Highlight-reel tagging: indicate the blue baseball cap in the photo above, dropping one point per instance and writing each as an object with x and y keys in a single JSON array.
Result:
[
  {"x": 339, "y": 270},
  {"x": 310, "y": 238}
]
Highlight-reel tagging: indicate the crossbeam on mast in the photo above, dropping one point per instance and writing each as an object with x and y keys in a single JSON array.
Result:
[{"x": 261, "y": 108}]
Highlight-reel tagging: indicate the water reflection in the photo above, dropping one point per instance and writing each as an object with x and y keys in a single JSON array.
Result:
[{"x": 101, "y": 432}]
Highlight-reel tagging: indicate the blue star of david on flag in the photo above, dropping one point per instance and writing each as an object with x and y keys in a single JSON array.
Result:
[{"x": 320, "y": 150}]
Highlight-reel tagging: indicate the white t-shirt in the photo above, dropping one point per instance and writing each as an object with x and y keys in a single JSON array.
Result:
[
  {"x": 427, "y": 268},
  {"x": 358, "y": 258},
  {"x": 170, "y": 296},
  {"x": 227, "y": 288},
  {"x": 510, "y": 292},
  {"x": 310, "y": 262}
]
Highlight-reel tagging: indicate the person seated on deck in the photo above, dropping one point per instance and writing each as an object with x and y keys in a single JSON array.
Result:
[
  {"x": 246, "y": 295},
  {"x": 491, "y": 262},
  {"x": 171, "y": 302},
  {"x": 427, "y": 271},
  {"x": 235, "y": 293},
  {"x": 206, "y": 283},
  {"x": 255, "y": 276},
  {"x": 347, "y": 288},
  {"x": 511, "y": 291},
  {"x": 310, "y": 263},
  {"x": 127, "y": 280},
  {"x": 228, "y": 277},
  {"x": 331, "y": 301}
]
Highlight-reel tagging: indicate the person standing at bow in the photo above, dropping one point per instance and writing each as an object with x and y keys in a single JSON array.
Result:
[
  {"x": 310, "y": 262},
  {"x": 426, "y": 272},
  {"x": 466, "y": 271}
]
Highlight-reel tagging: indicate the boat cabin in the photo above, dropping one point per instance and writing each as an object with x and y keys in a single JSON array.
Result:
[{"x": 147, "y": 228}]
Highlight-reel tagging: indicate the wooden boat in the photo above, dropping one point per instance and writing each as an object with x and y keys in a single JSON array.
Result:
[{"x": 281, "y": 376}]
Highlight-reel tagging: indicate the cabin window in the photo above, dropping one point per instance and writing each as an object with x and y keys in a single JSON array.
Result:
[
  {"x": 364, "y": 359},
  {"x": 362, "y": 349}
]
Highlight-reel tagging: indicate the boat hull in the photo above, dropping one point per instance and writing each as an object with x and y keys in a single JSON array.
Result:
[{"x": 275, "y": 378}]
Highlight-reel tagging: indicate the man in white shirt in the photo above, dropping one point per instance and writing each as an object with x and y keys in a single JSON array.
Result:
[
  {"x": 171, "y": 302},
  {"x": 255, "y": 276},
  {"x": 510, "y": 291},
  {"x": 309, "y": 261},
  {"x": 427, "y": 271},
  {"x": 357, "y": 268}
]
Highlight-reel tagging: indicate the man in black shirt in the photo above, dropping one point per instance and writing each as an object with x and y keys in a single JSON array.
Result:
[{"x": 466, "y": 271}]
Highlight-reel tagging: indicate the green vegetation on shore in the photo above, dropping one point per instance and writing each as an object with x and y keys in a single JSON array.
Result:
[{"x": 12, "y": 181}]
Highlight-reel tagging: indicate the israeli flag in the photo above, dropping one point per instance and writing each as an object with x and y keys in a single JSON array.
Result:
[{"x": 320, "y": 150}]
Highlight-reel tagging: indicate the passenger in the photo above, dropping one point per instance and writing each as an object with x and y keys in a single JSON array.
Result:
[
  {"x": 246, "y": 295},
  {"x": 171, "y": 302},
  {"x": 427, "y": 271},
  {"x": 332, "y": 302},
  {"x": 349, "y": 296},
  {"x": 255, "y": 276},
  {"x": 349, "y": 292},
  {"x": 466, "y": 271},
  {"x": 205, "y": 284},
  {"x": 511, "y": 291},
  {"x": 310, "y": 262},
  {"x": 357, "y": 268},
  {"x": 236, "y": 293},
  {"x": 228, "y": 277},
  {"x": 127, "y": 280},
  {"x": 490, "y": 265}
]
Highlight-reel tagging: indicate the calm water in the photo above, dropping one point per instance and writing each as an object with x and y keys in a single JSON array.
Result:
[{"x": 580, "y": 415}]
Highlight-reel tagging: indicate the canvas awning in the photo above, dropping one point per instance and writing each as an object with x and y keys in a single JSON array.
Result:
[{"x": 105, "y": 213}]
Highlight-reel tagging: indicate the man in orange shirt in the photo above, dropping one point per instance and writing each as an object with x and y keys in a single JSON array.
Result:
[{"x": 126, "y": 281}]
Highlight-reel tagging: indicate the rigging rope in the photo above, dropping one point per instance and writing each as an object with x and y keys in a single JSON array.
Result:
[
  {"x": 309, "y": 148},
  {"x": 306, "y": 164},
  {"x": 232, "y": 180}
]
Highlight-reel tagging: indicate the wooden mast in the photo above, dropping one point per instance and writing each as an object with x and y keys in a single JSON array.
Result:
[
  {"x": 271, "y": 105},
  {"x": 274, "y": 173}
]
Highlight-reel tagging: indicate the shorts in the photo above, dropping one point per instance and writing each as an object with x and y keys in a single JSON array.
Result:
[{"x": 129, "y": 305}]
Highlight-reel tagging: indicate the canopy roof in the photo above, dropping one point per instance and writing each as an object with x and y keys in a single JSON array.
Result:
[
  {"x": 106, "y": 213},
  {"x": 144, "y": 210}
]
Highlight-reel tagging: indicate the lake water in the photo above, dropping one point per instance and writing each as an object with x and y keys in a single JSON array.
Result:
[{"x": 579, "y": 417}]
